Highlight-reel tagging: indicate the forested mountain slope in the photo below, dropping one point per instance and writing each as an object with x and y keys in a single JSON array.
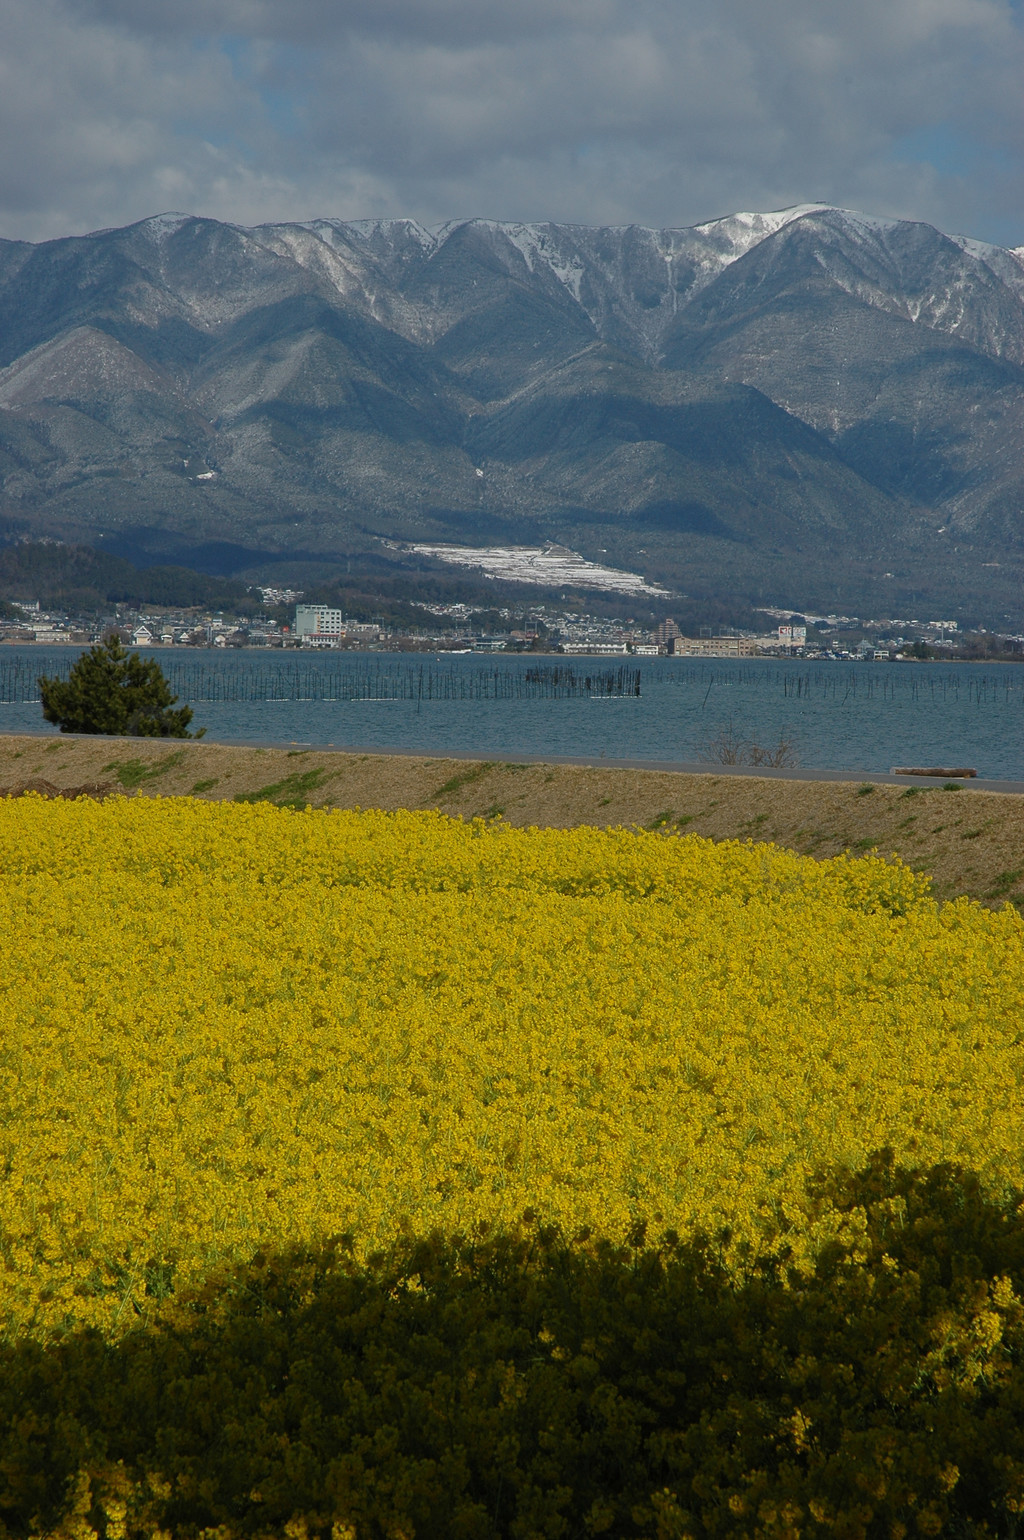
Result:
[{"x": 809, "y": 406}]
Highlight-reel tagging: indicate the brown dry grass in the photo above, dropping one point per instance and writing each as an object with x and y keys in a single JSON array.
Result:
[{"x": 971, "y": 841}]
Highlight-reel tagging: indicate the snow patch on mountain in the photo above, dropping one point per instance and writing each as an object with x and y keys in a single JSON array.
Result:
[
  {"x": 867, "y": 224},
  {"x": 549, "y": 566},
  {"x": 1007, "y": 264},
  {"x": 981, "y": 250},
  {"x": 537, "y": 246},
  {"x": 163, "y": 226},
  {"x": 736, "y": 234},
  {"x": 388, "y": 229}
]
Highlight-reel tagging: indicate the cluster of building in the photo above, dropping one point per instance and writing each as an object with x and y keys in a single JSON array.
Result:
[
  {"x": 56, "y": 630},
  {"x": 321, "y": 626},
  {"x": 541, "y": 628}
]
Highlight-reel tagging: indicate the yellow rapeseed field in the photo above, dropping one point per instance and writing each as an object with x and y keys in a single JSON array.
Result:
[{"x": 227, "y": 1027}]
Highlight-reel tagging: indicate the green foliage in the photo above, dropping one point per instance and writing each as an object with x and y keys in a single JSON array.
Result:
[
  {"x": 532, "y": 1386},
  {"x": 383, "y": 591},
  {"x": 464, "y": 778},
  {"x": 109, "y": 691},
  {"x": 133, "y": 773},
  {"x": 1005, "y": 882},
  {"x": 180, "y": 587},
  {"x": 82, "y": 580},
  {"x": 1005, "y": 648},
  {"x": 293, "y": 791}
]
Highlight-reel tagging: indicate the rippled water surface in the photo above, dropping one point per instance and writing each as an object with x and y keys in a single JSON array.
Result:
[{"x": 839, "y": 716}]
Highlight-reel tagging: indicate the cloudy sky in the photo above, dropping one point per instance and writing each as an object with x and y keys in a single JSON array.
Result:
[{"x": 665, "y": 112}]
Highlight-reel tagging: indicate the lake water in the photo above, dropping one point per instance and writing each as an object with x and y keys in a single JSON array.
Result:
[{"x": 838, "y": 716}]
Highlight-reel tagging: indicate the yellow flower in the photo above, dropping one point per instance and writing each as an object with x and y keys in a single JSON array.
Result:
[{"x": 225, "y": 1027}]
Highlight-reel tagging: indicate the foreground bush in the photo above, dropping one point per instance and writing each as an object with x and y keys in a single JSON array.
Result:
[
  {"x": 233, "y": 1027},
  {"x": 532, "y": 1387}
]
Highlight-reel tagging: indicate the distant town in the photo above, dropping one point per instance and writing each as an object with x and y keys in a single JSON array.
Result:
[{"x": 539, "y": 628}]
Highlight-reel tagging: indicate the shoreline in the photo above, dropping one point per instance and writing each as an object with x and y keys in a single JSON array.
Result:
[
  {"x": 997, "y": 785},
  {"x": 972, "y": 845},
  {"x": 771, "y": 656}
]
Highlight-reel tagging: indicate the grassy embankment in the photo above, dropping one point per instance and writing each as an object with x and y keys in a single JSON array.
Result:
[{"x": 971, "y": 842}]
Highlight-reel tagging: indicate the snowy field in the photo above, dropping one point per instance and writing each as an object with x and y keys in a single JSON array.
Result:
[{"x": 549, "y": 566}]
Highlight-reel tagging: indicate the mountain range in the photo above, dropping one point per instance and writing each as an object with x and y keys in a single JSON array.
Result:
[{"x": 813, "y": 408}]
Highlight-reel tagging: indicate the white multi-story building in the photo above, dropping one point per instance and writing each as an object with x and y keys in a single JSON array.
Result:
[{"x": 316, "y": 620}]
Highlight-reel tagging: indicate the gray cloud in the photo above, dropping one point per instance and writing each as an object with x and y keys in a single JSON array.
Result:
[
  {"x": 450, "y": 22},
  {"x": 659, "y": 111}
]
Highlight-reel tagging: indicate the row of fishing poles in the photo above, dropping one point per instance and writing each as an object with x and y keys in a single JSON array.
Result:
[
  {"x": 857, "y": 683},
  {"x": 200, "y": 682}
]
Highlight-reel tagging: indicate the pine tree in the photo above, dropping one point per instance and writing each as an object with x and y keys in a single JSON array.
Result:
[{"x": 113, "y": 692}]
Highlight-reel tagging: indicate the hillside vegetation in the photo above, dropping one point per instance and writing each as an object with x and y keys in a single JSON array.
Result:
[
  {"x": 80, "y": 580},
  {"x": 810, "y": 408}
]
